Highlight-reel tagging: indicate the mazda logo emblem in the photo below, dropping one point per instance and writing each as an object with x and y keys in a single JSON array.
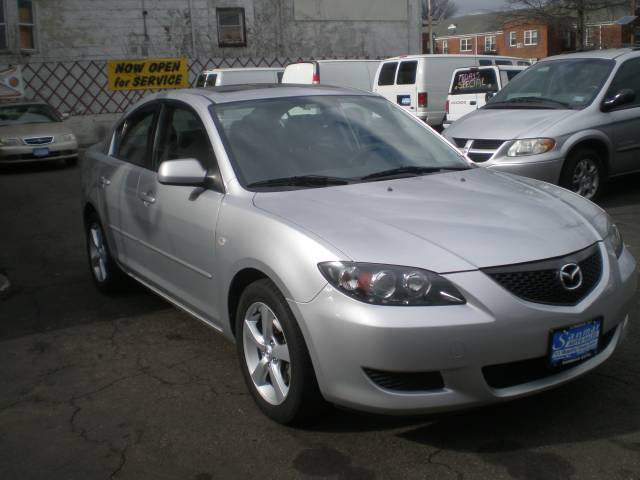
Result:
[{"x": 571, "y": 276}]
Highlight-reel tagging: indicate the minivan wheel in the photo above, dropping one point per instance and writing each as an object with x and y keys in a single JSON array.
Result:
[
  {"x": 583, "y": 173},
  {"x": 105, "y": 272},
  {"x": 273, "y": 355}
]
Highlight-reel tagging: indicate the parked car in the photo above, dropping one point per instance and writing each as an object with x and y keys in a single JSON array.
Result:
[
  {"x": 32, "y": 131},
  {"x": 238, "y": 76},
  {"x": 571, "y": 120},
  {"x": 351, "y": 253},
  {"x": 471, "y": 87},
  {"x": 341, "y": 73},
  {"x": 420, "y": 83}
]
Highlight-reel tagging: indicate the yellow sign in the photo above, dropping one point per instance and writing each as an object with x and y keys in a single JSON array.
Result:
[{"x": 149, "y": 74}]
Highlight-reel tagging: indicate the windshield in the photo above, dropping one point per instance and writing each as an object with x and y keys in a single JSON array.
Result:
[
  {"x": 572, "y": 83},
  {"x": 341, "y": 137},
  {"x": 21, "y": 114}
]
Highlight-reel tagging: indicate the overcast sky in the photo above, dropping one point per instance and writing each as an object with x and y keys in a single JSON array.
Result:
[{"x": 473, "y": 6}]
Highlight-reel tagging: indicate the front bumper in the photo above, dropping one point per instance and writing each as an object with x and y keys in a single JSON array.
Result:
[
  {"x": 345, "y": 336},
  {"x": 547, "y": 170},
  {"x": 25, "y": 153}
]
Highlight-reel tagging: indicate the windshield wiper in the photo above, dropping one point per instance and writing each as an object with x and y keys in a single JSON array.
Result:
[
  {"x": 547, "y": 102},
  {"x": 301, "y": 181},
  {"x": 409, "y": 171}
]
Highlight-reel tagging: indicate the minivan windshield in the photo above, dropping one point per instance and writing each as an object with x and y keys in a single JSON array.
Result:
[
  {"x": 322, "y": 140},
  {"x": 556, "y": 84}
]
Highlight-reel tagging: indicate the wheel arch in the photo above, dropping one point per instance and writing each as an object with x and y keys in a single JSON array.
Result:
[{"x": 596, "y": 141}]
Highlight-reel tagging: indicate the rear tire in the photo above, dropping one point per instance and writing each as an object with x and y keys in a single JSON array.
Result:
[
  {"x": 278, "y": 372},
  {"x": 584, "y": 174},
  {"x": 106, "y": 274}
]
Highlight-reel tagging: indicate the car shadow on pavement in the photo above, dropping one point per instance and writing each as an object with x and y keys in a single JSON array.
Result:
[{"x": 621, "y": 191}]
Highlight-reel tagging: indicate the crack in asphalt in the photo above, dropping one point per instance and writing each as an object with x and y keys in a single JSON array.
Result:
[{"x": 430, "y": 460}]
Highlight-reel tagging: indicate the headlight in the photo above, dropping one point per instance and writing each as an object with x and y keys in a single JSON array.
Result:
[
  {"x": 530, "y": 146},
  {"x": 614, "y": 239},
  {"x": 380, "y": 284},
  {"x": 10, "y": 141},
  {"x": 68, "y": 137}
]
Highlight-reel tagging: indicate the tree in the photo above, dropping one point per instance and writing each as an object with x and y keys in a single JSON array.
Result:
[
  {"x": 560, "y": 12},
  {"x": 440, "y": 9}
]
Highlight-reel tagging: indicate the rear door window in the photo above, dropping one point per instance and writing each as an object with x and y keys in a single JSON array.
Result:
[
  {"x": 504, "y": 62},
  {"x": 474, "y": 81},
  {"x": 407, "y": 73},
  {"x": 388, "y": 73},
  {"x": 484, "y": 62}
]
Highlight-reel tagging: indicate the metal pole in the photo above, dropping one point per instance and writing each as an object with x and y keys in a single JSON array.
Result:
[
  {"x": 430, "y": 19},
  {"x": 193, "y": 30}
]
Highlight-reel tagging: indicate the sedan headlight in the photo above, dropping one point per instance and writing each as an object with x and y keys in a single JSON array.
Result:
[
  {"x": 68, "y": 137},
  {"x": 5, "y": 142},
  {"x": 614, "y": 239},
  {"x": 530, "y": 146},
  {"x": 380, "y": 284}
]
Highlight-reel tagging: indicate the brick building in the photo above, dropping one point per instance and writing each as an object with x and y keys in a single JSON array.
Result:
[{"x": 499, "y": 33}]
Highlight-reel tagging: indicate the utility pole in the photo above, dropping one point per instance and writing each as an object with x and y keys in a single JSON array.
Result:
[
  {"x": 634, "y": 9},
  {"x": 430, "y": 20}
]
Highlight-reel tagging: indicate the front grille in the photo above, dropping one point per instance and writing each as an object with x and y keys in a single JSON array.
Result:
[
  {"x": 30, "y": 156},
  {"x": 479, "y": 157},
  {"x": 524, "y": 371},
  {"x": 38, "y": 140},
  {"x": 460, "y": 142},
  {"x": 406, "y": 381},
  {"x": 540, "y": 281},
  {"x": 487, "y": 144}
]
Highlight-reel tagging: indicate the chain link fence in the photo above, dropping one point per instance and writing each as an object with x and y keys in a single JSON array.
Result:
[{"x": 80, "y": 87}]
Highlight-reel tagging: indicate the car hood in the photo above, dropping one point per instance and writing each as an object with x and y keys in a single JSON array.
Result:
[
  {"x": 34, "y": 130},
  {"x": 443, "y": 222},
  {"x": 499, "y": 124}
]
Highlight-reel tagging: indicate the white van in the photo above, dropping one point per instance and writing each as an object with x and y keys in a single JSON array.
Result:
[
  {"x": 420, "y": 83},
  {"x": 471, "y": 87},
  {"x": 238, "y": 76},
  {"x": 342, "y": 73}
]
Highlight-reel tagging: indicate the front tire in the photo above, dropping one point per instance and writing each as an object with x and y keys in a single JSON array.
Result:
[
  {"x": 106, "y": 274},
  {"x": 273, "y": 355},
  {"x": 583, "y": 173}
]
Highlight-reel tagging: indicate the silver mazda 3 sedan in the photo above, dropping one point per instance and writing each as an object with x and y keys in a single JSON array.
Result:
[{"x": 351, "y": 253}]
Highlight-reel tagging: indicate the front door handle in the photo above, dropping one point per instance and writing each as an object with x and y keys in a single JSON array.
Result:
[
  {"x": 147, "y": 198},
  {"x": 104, "y": 182},
  {"x": 472, "y": 102}
]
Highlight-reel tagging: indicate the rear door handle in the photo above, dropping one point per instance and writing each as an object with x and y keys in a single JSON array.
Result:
[
  {"x": 147, "y": 198},
  {"x": 104, "y": 182}
]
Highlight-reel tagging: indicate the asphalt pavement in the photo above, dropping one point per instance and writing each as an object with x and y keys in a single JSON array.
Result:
[{"x": 128, "y": 387}]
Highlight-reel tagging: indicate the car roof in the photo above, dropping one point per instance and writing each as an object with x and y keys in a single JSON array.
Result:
[
  {"x": 452, "y": 55},
  {"x": 260, "y": 91},
  {"x": 244, "y": 69},
  {"x": 611, "y": 53}
]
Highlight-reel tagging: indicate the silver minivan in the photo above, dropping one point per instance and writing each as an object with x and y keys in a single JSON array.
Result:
[{"x": 572, "y": 120}]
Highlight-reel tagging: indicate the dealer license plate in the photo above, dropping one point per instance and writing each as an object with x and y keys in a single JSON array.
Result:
[
  {"x": 575, "y": 343},
  {"x": 41, "y": 152}
]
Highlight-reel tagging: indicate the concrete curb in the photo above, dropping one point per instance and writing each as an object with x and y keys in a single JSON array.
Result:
[{"x": 5, "y": 285}]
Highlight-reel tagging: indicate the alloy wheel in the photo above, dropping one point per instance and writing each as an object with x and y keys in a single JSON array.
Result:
[
  {"x": 586, "y": 178},
  {"x": 97, "y": 253},
  {"x": 266, "y": 353}
]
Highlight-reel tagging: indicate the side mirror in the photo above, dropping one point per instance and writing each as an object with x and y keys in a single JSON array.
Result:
[
  {"x": 623, "y": 97},
  {"x": 65, "y": 115},
  {"x": 186, "y": 172},
  {"x": 488, "y": 96}
]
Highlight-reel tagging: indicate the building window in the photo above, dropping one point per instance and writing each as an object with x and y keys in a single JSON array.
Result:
[
  {"x": 531, "y": 37},
  {"x": 567, "y": 39},
  {"x": 231, "y": 27},
  {"x": 445, "y": 46},
  {"x": 26, "y": 25},
  {"x": 490, "y": 43},
  {"x": 513, "y": 41},
  {"x": 588, "y": 37},
  {"x": 465, "y": 44},
  {"x": 3, "y": 27}
]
